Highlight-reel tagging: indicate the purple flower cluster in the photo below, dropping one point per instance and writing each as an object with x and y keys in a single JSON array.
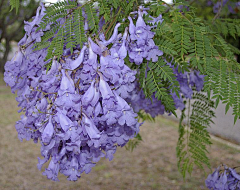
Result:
[
  {"x": 77, "y": 109},
  {"x": 141, "y": 40},
  {"x": 223, "y": 178},
  {"x": 85, "y": 105}
]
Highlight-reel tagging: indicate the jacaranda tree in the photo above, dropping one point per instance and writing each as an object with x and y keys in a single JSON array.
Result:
[{"x": 88, "y": 73}]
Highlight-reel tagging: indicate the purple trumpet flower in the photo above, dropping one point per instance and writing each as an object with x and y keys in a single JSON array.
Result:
[
  {"x": 137, "y": 54},
  {"x": 110, "y": 150},
  {"x": 29, "y": 25},
  {"x": 64, "y": 121},
  {"x": 141, "y": 32},
  {"x": 101, "y": 22},
  {"x": 153, "y": 54},
  {"x": 52, "y": 171},
  {"x": 23, "y": 132},
  {"x": 234, "y": 173},
  {"x": 57, "y": 157},
  {"x": 54, "y": 68},
  {"x": 94, "y": 47},
  {"x": 68, "y": 101},
  {"x": 119, "y": 55},
  {"x": 184, "y": 86},
  {"x": 14, "y": 66},
  {"x": 10, "y": 78},
  {"x": 109, "y": 69},
  {"x": 73, "y": 64},
  {"x": 91, "y": 96},
  {"x": 104, "y": 88},
  {"x": 73, "y": 147},
  {"x": 128, "y": 116},
  {"x": 41, "y": 162},
  {"x": 46, "y": 149},
  {"x": 110, "y": 116},
  {"x": 90, "y": 128},
  {"x": 72, "y": 133},
  {"x": 67, "y": 84},
  {"x": 113, "y": 37},
  {"x": 156, "y": 21},
  {"x": 48, "y": 131},
  {"x": 98, "y": 109},
  {"x": 212, "y": 178},
  {"x": 178, "y": 101},
  {"x": 221, "y": 181},
  {"x": 72, "y": 170},
  {"x": 90, "y": 65},
  {"x": 23, "y": 40},
  {"x": 42, "y": 105}
]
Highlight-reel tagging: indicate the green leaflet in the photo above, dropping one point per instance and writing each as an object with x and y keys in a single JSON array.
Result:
[
  {"x": 227, "y": 27},
  {"x": 155, "y": 86},
  {"x": 182, "y": 34},
  {"x": 14, "y": 5},
  {"x": 145, "y": 116},
  {"x": 92, "y": 17},
  {"x": 133, "y": 143},
  {"x": 79, "y": 36},
  {"x": 104, "y": 9}
]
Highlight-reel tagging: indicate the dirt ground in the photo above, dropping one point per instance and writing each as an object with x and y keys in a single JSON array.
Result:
[{"x": 151, "y": 166}]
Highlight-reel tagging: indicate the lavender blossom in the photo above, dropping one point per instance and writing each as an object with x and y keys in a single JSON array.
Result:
[{"x": 48, "y": 131}]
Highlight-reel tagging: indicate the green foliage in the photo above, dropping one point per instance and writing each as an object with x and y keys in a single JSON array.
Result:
[
  {"x": 133, "y": 143},
  {"x": 203, "y": 45},
  {"x": 159, "y": 77},
  {"x": 104, "y": 9},
  {"x": 78, "y": 28},
  {"x": 92, "y": 17},
  {"x": 14, "y": 5},
  {"x": 160, "y": 81},
  {"x": 227, "y": 27},
  {"x": 143, "y": 116},
  {"x": 193, "y": 135},
  {"x": 182, "y": 35}
]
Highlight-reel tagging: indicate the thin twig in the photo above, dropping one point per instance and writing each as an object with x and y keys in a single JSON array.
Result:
[{"x": 218, "y": 13}]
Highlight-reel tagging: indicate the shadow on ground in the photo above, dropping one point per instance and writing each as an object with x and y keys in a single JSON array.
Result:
[{"x": 150, "y": 166}]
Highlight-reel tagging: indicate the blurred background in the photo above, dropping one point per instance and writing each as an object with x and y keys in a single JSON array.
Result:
[{"x": 152, "y": 165}]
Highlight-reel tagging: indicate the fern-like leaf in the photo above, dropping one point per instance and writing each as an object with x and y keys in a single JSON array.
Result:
[{"x": 193, "y": 136}]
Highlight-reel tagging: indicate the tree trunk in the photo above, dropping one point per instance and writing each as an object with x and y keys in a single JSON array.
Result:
[{"x": 5, "y": 56}]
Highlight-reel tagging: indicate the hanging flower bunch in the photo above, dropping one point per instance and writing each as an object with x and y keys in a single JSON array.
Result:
[{"x": 85, "y": 104}]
